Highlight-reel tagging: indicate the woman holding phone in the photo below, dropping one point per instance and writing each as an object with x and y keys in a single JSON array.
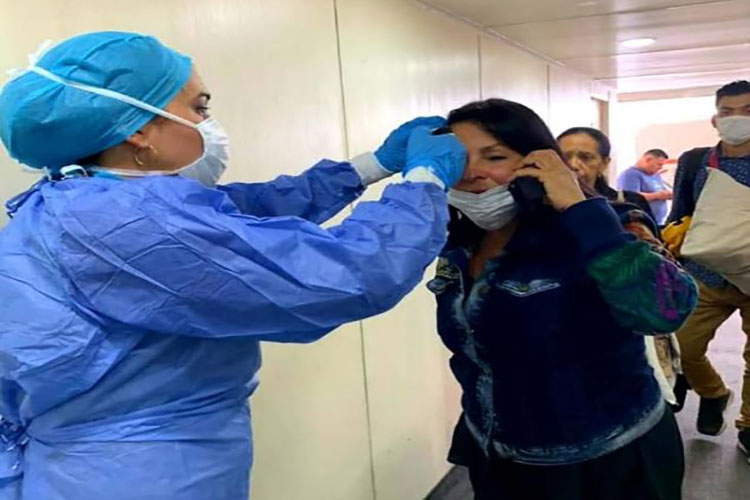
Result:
[{"x": 544, "y": 304}]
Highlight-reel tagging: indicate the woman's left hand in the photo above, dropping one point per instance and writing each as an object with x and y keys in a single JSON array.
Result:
[{"x": 560, "y": 182}]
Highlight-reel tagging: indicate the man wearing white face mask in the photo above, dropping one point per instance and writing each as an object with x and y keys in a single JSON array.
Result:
[
  {"x": 135, "y": 290},
  {"x": 719, "y": 299}
]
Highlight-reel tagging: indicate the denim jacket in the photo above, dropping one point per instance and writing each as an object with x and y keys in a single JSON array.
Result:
[{"x": 546, "y": 341}]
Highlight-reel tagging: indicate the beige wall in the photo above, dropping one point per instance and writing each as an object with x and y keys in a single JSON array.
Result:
[
  {"x": 513, "y": 74},
  {"x": 570, "y": 100},
  {"x": 367, "y": 412},
  {"x": 400, "y": 60}
]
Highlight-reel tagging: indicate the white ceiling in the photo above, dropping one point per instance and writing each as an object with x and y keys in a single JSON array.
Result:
[{"x": 698, "y": 43}]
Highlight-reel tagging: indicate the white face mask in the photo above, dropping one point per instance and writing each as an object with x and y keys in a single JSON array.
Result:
[
  {"x": 207, "y": 169},
  {"x": 490, "y": 210},
  {"x": 734, "y": 130}
]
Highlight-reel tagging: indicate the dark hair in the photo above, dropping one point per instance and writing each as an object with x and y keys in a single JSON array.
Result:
[
  {"x": 517, "y": 126},
  {"x": 739, "y": 87},
  {"x": 657, "y": 153},
  {"x": 605, "y": 147}
]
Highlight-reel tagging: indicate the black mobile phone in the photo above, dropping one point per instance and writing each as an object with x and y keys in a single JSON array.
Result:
[{"x": 528, "y": 192}]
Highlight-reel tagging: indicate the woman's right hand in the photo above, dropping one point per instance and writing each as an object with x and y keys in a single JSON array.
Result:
[{"x": 560, "y": 182}]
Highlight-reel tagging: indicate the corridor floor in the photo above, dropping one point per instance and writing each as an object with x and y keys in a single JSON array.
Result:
[{"x": 715, "y": 468}]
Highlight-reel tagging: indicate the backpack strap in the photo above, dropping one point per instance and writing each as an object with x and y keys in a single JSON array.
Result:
[
  {"x": 713, "y": 158},
  {"x": 694, "y": 162},
  {"x": 691, "y": 162}
]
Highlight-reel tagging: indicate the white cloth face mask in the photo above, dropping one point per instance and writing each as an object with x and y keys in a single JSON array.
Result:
[
  {"x": 734, "y": 130},
  {"x": 207, "y": 169},
  {"x": 490, "y": 210}
]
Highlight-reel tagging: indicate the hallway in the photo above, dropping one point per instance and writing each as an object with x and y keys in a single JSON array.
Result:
[
  {"x": 715, "y": 468},
  {"x": 332, "y": 327}
]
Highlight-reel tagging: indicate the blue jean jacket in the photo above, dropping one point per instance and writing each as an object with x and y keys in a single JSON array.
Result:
[{"x": 548, "y": 374}]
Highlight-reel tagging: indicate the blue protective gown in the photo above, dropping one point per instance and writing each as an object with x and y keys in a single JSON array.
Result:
[{"x": 131, "y": 314}]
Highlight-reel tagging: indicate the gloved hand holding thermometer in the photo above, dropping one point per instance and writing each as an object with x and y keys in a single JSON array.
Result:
[
  {"x": 390, "y": 157},
  {"x": 431, "y": 157},
  {"x": 392, "y": 154}
]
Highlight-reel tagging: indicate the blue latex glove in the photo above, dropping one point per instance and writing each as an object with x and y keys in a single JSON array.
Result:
[
  {"x": 392, "y": 154},
  {"x": 443, "y": 155}
]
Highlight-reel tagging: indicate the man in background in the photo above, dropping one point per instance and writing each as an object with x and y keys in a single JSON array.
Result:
[
  {"x": 718, "y": 299},
  {"x": 645, "y": 178}
]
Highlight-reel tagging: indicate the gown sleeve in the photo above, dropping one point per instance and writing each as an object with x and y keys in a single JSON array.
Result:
[
  {"x": 167, "y": 255},
  {"x": 316, "y": 195}
]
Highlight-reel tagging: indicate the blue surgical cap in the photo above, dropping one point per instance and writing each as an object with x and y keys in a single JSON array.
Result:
[{"x": 44, "y": 123}]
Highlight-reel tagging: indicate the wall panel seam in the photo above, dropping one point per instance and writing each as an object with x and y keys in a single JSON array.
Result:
[
  {"x": 481, "y": 66},
  {"x": 347, "y": 153}
]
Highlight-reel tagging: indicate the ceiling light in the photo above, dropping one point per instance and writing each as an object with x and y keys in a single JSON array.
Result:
[
  {"x": 583, "y": 5},
  {"x": 637, "y": 43}
]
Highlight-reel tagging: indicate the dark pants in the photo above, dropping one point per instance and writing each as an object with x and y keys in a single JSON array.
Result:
[{"x": 650, "y": 468}]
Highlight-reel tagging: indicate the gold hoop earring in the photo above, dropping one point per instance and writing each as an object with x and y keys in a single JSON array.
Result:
[{"x": 137, "y": 158}]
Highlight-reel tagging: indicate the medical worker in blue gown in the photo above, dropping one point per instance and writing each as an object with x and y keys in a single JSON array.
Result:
[{"x": 134, "y": 290}]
